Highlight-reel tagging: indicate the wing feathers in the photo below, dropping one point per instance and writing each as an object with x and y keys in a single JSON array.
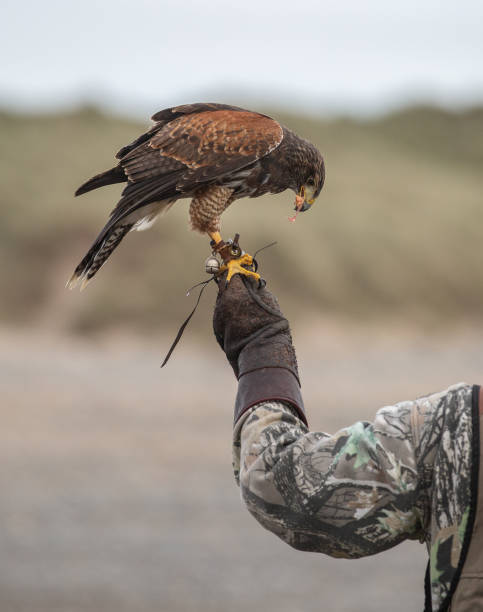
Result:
[
  {"x": 109, "y": 177},
  {"x": 138, "y": 141},
  {"x": 168, "y": 114},
  {"x": 213, "y": 137},
  {"x": 147, "y": 162},
  {"x": 139, "y": 195}
]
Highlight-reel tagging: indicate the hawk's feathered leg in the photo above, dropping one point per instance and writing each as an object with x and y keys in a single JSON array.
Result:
[
  {"x": 207, "y": 207},
  {"x": 205, "y": 212}
]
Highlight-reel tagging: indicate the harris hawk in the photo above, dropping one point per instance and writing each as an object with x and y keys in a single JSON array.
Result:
[{"x": 212, "y": 153}]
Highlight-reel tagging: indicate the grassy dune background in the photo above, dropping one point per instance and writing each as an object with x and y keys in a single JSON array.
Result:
[{"x": 395, "y": 234}]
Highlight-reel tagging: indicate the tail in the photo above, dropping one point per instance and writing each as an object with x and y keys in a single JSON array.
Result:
[
  {"x": 98, "y": 254},
  {"x": 109, "y": 177}
]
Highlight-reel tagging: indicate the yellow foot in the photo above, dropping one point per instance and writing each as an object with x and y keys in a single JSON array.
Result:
[{"x": 235, "y": 266}]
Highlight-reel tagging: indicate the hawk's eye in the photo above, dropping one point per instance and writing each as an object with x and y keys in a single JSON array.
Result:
[{"x": 310, "y": 182}]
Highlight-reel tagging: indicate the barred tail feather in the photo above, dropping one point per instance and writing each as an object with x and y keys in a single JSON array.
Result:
[{"x": 97, "y": 255}]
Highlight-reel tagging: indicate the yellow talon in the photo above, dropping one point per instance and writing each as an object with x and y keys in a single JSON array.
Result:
[{"x": 235, "y": 266}]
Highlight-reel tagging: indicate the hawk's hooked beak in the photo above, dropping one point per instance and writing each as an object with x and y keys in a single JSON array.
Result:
[
  {"x": 305, "y": 206},
  {"x": 301, "y": 204}
]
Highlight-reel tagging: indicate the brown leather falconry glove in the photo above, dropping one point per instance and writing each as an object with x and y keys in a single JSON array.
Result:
[{"x": 255, "y": 336}]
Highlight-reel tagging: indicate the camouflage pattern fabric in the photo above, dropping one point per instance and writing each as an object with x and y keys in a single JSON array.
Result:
[{"x": 367, "y": 487}]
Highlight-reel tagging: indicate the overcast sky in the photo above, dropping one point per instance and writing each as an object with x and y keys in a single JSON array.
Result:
[{"x": 357, "y": 56}]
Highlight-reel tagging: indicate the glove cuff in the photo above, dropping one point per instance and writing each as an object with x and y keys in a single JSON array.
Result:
[{"x": 268, "y": 384}]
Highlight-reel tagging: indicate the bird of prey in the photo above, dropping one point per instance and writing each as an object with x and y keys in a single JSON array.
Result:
[{"x": 212, "y": 153}]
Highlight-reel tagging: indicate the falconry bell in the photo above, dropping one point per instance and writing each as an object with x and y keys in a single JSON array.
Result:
[{"x": 212, "y": 265}]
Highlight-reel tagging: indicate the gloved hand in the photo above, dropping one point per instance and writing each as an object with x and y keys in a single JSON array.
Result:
[{"x": 255, "y": 336}]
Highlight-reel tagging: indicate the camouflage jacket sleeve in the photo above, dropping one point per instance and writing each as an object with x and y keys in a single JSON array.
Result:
[{"x": 367, "y": 487}]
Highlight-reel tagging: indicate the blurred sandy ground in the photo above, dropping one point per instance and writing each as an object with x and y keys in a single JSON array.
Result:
[{"x": 116, "y": 480}]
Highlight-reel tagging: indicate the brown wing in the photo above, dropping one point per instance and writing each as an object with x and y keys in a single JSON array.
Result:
[
  {"x": 166, "y": 115},
  {"x": 215, "y": 143}
]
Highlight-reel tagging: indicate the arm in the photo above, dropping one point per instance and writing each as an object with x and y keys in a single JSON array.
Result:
[
  {"x": 354, "y": 493},
  {"x": 351, "y": 494}
]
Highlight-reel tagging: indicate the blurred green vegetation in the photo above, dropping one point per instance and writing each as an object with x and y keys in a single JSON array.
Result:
[{"x": 395, "y": 234}]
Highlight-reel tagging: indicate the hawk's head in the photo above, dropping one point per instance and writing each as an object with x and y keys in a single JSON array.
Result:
[{"x": 311, "y": 176}]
